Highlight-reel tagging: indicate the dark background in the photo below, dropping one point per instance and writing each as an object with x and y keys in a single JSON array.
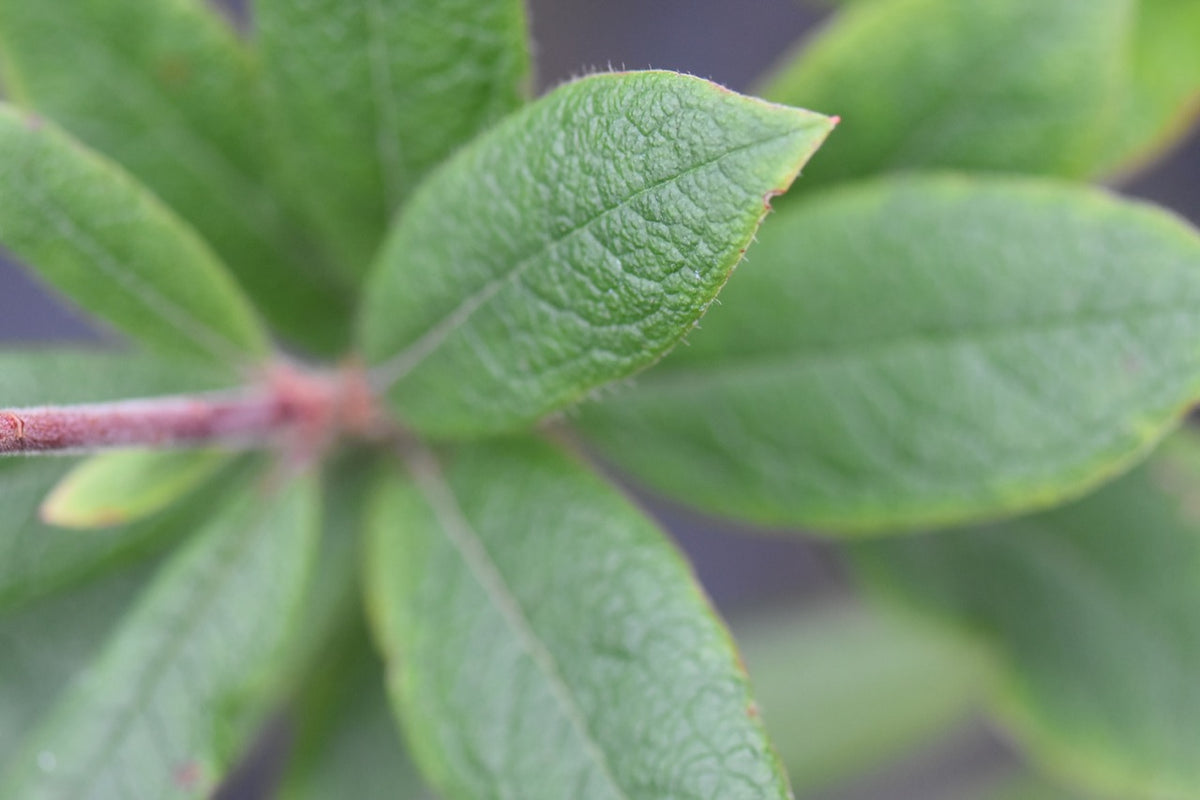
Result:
[{"x": 731, "y": 42}]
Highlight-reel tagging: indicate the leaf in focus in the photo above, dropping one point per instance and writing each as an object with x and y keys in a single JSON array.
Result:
[
  {"x": 1090, "y": 612},
  {"x": 544, "y": 640},
  {"x": 1015, "y": 86},
  {"x": 108, "y": 244},
  {"x": 126, "y": 485},
  {"x": 924, "y": 351},
  {"x": 167, "y": 90},
  {"x": 36, "y": 559},
  {"x": 187, "y": 675},
  {"x": 1163, "y": 97},
  {"x": 390, "y": 88},
  {"x": 44, "y": 646},
  {"x": 589, "y": 231},
  {"x": 348, "y": 743},
  {"x": 845, "y": 691}
]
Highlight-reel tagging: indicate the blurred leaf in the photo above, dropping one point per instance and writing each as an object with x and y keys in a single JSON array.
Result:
[
  {"x": 35, "y": 558},
  {"x": 845, "y": 691},
  {"x": 544, "y": 640},
  {"x": 108, "y": 244},
  {"x": 368, "y": 96},
  {"x": 348, "y": 743},
  {"x": 924, "y": 351},
  {"x": 1090, "y": 611},
  {"x": 168, "y": 91},
  {"x": 164, "y": 709},
  {"x": 127, "y": 485},
  {"x": 41, "y": 376},
  {"x": 1019, "y": 85},
  {"x": 563, "y": 268},
  {"x": 335, "y": 601},
  {"x": 1027, "y": 788},
  {"x": 1163, "y": 98},
  {"x": 44, "y": 646}
]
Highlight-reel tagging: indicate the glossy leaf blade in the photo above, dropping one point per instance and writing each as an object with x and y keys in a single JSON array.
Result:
[
  {"x": 125, "y": 486},
  {"x": 1016, "y": 86},
  {"x": 589, "y": 231},
  {"x": 35, "y": 558},
  {"x": 1090, "y": 611},
  {"x": 545, "y": 641},
  {"x": 924, "y": 351},
  {"x": 189, "y": 669},
  {"x": 390, "y": 88},
  {"x": 168, "y": 91},
  {"x": 108, "y": 244},
  {"x": 846, "y": 691}
]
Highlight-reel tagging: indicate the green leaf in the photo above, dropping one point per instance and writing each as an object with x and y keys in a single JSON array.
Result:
[
  {"x": 368, "y": 96},
  {"x": 1020, "y": 85},
  {"x": 845, "y": 691},
  {"x": 167, "y": 705},
  {"x": 1163, "y": 98},
  {"x": 589, "y": 231},
  {"x": 335, "y": 601},
  {"x": 544, "y": 640},
  {"x": 34, "y": 558},
  {"x": 924, "y": 351},
  {"x": 126, "y": 485},
  {"x": 1090, "y": 612},
  {"x": 168, "y": 91},
  {"x": 107, "y": 243},
  {"x": 46, "y": 645},
  {"x": 42, "y": 376},
  {"x": 1027, "y": 788},
  {"x": 348, "y": 745}
]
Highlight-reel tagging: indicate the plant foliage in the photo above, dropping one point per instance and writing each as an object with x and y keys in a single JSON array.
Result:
[{"x": 425, "y": 565}]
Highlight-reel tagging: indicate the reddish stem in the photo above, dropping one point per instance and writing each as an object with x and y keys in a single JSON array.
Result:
[{"x": 299, "y": 410}]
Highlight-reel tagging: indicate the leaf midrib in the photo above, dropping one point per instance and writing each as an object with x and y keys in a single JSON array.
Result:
[
  {"x": 187, "y": 139},
  {"x": 403, "y": 363},
  {"x": 206, "y": 593},
  {"x": 724, "y": 364},
  {"x": 198, "y": 332},
  {"x": 388, "y": 137},
  {"x": 486, "y": 573}
]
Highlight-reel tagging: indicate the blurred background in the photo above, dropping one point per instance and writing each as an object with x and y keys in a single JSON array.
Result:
[{"x": 753, "y": 575}]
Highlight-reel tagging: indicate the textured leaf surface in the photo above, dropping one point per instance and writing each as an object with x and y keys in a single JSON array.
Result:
[
  {"x": 168, "y": 91},
  {"x": 108, "y": 244},
  {"x": 128, "y": 485},
  {"x": 845, "y": 691},
  {"x": 46, "y": 644},
  {"x": 572, "y": 245},
  {"x": 545, "y": 641},
  {"x": 1020, "y": 85},
  {"x": 1091, "y": 613},
  {"x": 161, "y": 710},
  {"x": 368, "y": 96},
  {"x": 1163, "y": 97},
  {"x": 924, "y": 351},
  {"x": 36, "y": 558}
]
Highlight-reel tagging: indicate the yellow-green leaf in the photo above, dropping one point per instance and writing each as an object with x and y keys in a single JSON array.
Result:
[{"x": 127, "y": 485}]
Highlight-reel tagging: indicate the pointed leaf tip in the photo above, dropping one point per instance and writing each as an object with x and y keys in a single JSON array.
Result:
[{"x": 590, "y": 231}]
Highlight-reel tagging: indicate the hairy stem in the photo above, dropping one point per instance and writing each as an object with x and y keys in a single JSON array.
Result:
[{"x": 300, "y": 411}]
